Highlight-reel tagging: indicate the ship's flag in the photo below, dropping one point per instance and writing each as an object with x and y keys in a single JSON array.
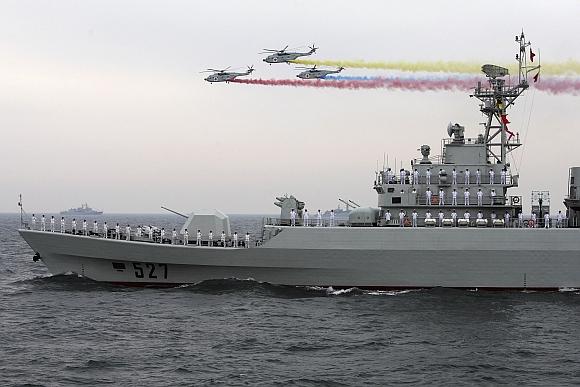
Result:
[
  {"x": 536, "y": 77},
  {"x": 505, "y": 121},
  {"x": 532, "y": 55}
]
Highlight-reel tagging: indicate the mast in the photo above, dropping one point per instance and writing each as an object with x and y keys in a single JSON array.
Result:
[
  {"x": 21, "y": 210},
  {"x": 497, "y": 97}
]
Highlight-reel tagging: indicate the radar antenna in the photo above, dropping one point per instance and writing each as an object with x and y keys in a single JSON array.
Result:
[{"x": 498, "y": 96}]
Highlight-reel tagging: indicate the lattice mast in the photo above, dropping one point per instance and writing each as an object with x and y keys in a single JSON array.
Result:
[{"x": 498, "y": 96}]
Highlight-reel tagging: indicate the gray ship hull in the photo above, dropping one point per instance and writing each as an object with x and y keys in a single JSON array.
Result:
[{"x": 394, "y": 258}]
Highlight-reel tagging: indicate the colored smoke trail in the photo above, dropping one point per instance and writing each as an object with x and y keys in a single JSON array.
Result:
[
  {"x": 552, "y": 85},
  {"x": 570, "y": 67},
  {"x": 558, "y": 85},
  {"x": 371, "y": 83}
]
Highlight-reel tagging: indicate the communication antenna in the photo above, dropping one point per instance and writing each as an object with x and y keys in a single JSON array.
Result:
[{"x": 498, "y": 96}]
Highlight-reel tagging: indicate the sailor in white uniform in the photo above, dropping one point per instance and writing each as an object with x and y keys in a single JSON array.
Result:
[
  {"x": 402, "y": 176},
  {"x": 247, "y": 240},
  {"x": 506, "y": 219},
  {"x": 466, "y": 196},
  {"x": 62, "y": 225},
  {"x": 139, "y": 231},
  {"x": 162, "y": 235},
  {"x": 491, "y": 176},
  {"x": 454, "y": 197},
  {"x": 52, "y": 224},
  {"x": 174, "y": 236},
  {"x": 467, "y": 176},
  {"x": 210, "y": 238},
  {"x": 117, "y": 231},
  {"x": 534, "y": 220},
  {"x": 428, "y": 194},
  {"x": 416, "y": 176},
  {"x": 441, "y": 216},
  {"x": 428, "y": 176},
  {"x": 454, "y": 176},
  {"x": 414, "y": 217},
  {"x": 43, "y": 223},
  {"x": 387, "y": 217},
  {"x": 401, "y": 218},
  {"x": 520, "y": 219},
  {"x": 150, "y": 230},
  {"x": 185, "y": 237},
  {"x": 105, "y": 230},
  {"x": 74, "y": 226},
  {"x": 33, "y": 222},
  {"x": 466, "y": 215},
  {"x": 478, "y": 177},
  {"x": 293, "y": 218},
  {"x": 331, "y": 218},
  {"x": 84, "y": 227},
  {"x": 493, "y": 195},
  {"x": 479, "y": 197},
  {"x": 427, "y": 215},
  {"x": 223, "y": 239},
  {"x": 547, "y": 220},
  {"x": 318, "y": 219},
  {"x": 95, "y": 227},
  {"x": 198, "y": 238},
  {"x": 441, "y": 197},
  {"x": 503, "y": 176},
  {"x": 559, "y": 219},
  {"x": 235, "y": 239},
  {"x": 306, "y": 218},
  {"x": 454, "y": 217},
  {"x": 479, "y": 215},
  {"x": 128, "y": 233}
]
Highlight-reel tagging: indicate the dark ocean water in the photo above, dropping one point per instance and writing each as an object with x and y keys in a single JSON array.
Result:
[{"x": 65, "y": 330}]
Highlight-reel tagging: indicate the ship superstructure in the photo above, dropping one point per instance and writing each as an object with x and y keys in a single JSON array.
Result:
[{"x": 470, "y": 175}]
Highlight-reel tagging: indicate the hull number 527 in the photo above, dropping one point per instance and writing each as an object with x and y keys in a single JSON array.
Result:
[{"x": 150, "y": 270}]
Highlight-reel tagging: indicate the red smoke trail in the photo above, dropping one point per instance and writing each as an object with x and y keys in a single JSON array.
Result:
[
  {"x": 373, "y": 83},
  {"x": 557, "y": 85},
  {"x": 552, "y": 85}
]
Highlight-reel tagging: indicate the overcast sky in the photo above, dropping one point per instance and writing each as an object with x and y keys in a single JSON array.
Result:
[{"x": 102, "y": 101}]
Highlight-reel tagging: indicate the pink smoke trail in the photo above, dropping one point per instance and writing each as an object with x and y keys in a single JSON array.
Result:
[
  {"x": 558, "y": 85},
  {"x": 371, "y": 83},
  {"x": 552, "y": 85}
]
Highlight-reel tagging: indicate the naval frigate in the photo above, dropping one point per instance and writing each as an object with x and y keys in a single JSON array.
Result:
[{"x": 446, "y": 221}]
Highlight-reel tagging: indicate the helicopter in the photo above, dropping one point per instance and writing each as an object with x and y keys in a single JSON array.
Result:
[
  {"x": 224, "y": 75},
  {"x": 314, "y": 73},
  {"x": 282, "y": 56}
]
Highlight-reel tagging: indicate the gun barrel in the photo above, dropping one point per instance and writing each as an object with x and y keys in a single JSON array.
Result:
[{"x": 175, "y": 212}]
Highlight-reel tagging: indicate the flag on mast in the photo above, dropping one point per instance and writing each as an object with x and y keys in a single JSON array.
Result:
[{"x": 532, "y": 55}]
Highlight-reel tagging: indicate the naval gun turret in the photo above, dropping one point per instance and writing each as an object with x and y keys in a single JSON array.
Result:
[{"x": 287, "y": 204}]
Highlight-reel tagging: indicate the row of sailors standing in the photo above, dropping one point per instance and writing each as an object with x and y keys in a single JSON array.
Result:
[
  {"x": 441, "y": 216},
  {"x": 415, "y": 176},
  {"x": 306, "y": 218},
  {"x": 466, "y": 197},
  {"x": 139, "y": 233}
]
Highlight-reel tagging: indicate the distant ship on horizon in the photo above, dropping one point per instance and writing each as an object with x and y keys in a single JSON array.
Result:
[{"x": 84, "y": 209}]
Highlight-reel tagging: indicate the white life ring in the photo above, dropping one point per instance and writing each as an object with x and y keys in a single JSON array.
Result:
[{"x": 516, "y": 199}]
